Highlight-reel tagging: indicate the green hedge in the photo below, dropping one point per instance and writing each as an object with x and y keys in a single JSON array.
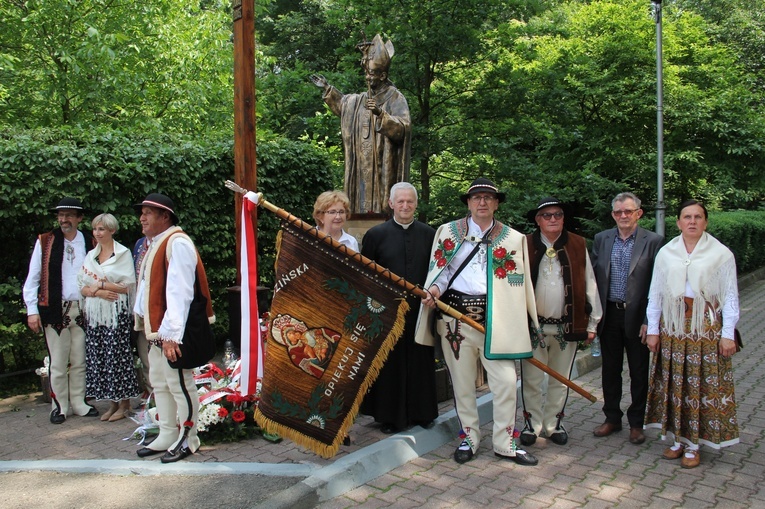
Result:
[{"x": 110, "y": 171}]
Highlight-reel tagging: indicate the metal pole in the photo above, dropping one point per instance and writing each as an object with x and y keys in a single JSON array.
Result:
[{"x": 660, "y": 206}]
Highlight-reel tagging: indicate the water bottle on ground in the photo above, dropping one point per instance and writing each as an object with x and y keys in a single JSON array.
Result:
[{"x": 595, "y": 347}]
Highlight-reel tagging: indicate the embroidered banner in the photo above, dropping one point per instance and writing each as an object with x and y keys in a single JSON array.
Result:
[{"x": 333, "y": 323}]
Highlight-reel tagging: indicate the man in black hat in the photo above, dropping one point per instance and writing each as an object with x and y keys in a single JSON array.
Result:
[
  {"x": 171, "y": 276},
  {"x": 52, "y": 299},
  {"x": 479, "y": 267},
  {"x": 568, "y": 309}
]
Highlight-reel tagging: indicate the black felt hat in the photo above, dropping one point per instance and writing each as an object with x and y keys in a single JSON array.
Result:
[
  {"x": 68, "y": 204},
  {"x": 549, "y": 201},
  {"x": 482, "y": 185},
  {"x": 159, "y": 201}
]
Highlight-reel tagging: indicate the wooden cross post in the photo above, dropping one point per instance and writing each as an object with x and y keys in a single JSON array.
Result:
[{"x": 245, "y": 167}]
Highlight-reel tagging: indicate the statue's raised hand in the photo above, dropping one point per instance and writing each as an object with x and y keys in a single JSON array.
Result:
[{"x": 319, "y": 80}]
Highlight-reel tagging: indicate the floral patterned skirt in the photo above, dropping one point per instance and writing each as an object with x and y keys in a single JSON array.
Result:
[
  {"x": 691, "y": 397},
  {"x": 110, "y": 372}
]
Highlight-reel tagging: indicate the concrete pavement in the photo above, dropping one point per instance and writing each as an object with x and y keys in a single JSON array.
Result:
[{"x": 52, "y": 466}]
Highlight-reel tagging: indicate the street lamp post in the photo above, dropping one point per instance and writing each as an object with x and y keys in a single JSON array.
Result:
[{"x": 660, "y": 206}]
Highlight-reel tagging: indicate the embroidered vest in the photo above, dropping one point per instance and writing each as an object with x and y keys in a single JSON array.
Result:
[
  {"x": 49, "y": 292},
  {"x": 571, "y": 250},
  {"x": 156, "y": 284}
]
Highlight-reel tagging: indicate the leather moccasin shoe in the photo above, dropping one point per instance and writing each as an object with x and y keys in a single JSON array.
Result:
[
  {"x": 143, "y": 452},
  {"x": 426, "y": 424},
  {"x": 672, "y": 454},
  {"x": 463, "y": 453},
  {"x": 528, "y": 438},
  {"x": 606, "y": 429},
  {"x": 691, "y": 459},
  {"x": 57, "y": 417},
  {"x": 559, "y": 438},
  {"x": 173, "y": 456},
  {"x": 636, "y": 436},
  {"x": 93, "y": 412},
  {"x": 388, "y": 428},
  {"x": 521, "y": 457}
]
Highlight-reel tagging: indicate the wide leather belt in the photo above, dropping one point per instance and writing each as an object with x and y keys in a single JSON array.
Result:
[{"x": 472, "y": 306}]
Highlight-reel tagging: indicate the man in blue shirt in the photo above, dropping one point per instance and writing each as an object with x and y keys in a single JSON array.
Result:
[{"x": 622, "y": 258}]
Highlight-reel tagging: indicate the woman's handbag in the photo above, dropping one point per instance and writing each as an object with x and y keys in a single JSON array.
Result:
[
  {"x": 737, "y": 338},
  {"x": 198, "y": 345}
]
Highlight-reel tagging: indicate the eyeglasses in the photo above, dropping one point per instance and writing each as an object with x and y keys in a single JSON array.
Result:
[
  {"x": 549, "y": 215},
  {"x": 333, "y": 212},
  {"x": 477, "y": 198},
  {"x": 625, "y": 213},
  {"x": 66, "y": 215}
]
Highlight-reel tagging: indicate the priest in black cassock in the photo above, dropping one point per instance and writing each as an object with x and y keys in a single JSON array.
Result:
[{"x": 405, "y": 392}]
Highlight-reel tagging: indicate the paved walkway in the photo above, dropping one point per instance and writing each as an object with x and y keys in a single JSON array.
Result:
[
  {"x": 411, "y": 469},
  {"x": 597, "y": 472}
]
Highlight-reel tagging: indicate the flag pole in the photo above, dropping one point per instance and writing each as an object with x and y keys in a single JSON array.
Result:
[{"x": 409, "y": 287}]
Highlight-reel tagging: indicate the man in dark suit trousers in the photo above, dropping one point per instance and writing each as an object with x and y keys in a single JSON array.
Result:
[{"x": 623, "y": 261}]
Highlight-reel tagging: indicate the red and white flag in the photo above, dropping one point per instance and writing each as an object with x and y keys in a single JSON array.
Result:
[{"x": 251, "y": 345}]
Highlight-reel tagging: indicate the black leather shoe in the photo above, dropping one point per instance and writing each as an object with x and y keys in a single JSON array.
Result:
[
  {"x": 388, "y": 428},
  {"x": 426, "y": 424},
  {"x": 464, "y": 453},
  {"x": 143, "y": 452},
  {"x": 173, "y": 456},
  {"x": 57, "y": 417},
  {"x": 521, "y": 458},
  {"x": 528, "y": 438},
  {"x": 149, "y": 439},
  {"x": 93, "y": 412},
  {"x": 560, "y": 438}
]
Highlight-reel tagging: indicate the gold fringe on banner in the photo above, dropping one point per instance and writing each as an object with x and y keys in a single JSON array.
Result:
[
  {"x": 334, "y": 321},
  {"x": 325, "y": 450}
]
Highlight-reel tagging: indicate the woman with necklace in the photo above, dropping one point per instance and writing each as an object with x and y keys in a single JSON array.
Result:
[
  {"x": 692, "y": 313},
  {"x": 107, "y": 284}
]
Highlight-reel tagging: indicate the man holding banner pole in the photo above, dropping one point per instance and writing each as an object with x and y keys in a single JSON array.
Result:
[{"x": 479, "y": 267}]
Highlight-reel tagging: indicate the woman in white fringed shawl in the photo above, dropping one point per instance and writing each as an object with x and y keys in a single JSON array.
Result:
[
  {"x": 107, "y": 284},
  {"x": 692, "y": 313}
]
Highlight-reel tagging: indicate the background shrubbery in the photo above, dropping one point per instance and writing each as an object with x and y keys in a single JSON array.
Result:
[{"x": 112, "y": 170}]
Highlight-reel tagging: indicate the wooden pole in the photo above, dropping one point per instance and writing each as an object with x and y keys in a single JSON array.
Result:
[
  {"x": 416, "y": 290},
  {"x": 245, "y": 167}
]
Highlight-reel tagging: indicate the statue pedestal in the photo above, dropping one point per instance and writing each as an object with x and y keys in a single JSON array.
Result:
[{"x": 358, "y": 224}]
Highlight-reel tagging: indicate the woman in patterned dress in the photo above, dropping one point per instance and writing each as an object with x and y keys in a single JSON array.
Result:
[
  {"x": 107, "y": 284},
  {"x": 692, "y": 313}
]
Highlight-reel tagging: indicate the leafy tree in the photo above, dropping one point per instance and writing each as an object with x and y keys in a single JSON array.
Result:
[
  {"x": 579, "y": 108},
  {"x": 159, "y": 62}
]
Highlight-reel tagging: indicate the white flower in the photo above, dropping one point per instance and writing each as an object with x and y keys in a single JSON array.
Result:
[{"x": 208, "y": 415}]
